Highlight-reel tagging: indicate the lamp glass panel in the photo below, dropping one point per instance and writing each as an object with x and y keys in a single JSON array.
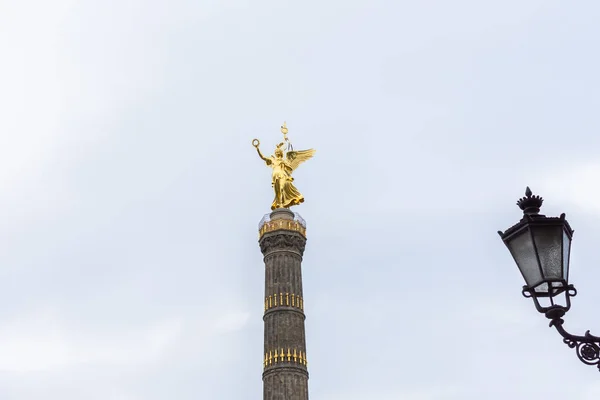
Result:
[
  {"x": 566, "y": 254},
  {"x": 522, "y": 250},
  {"x": 549, "y": 240},
  {"x": 542, "y": 288}
]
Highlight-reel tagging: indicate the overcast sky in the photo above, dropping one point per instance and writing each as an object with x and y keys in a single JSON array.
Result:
[{"x": 130, "y": 193}]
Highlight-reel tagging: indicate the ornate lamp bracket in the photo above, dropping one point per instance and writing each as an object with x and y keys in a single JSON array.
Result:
[{"x": 587, "y": 346}]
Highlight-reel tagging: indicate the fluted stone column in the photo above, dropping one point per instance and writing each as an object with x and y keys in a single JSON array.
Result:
[{"x": 282, "y": 241}]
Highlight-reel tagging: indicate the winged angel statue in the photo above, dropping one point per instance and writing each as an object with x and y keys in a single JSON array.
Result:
[{"x": 283, "y": 163}]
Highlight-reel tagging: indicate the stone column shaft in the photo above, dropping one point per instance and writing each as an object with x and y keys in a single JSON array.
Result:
[{"x": 282, "y": 242}]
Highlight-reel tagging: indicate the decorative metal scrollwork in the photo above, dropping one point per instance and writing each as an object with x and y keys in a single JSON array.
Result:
[{"x": 586, "y": 346}]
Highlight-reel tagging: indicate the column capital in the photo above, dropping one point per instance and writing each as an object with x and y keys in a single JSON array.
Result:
[{"x": 282, "y": 240}]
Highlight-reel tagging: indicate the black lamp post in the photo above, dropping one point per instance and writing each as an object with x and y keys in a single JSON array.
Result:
[{"x": 541, "y": 247}]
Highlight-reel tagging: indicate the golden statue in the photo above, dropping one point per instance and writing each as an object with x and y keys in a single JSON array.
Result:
[{"x": 284, "y": 162}]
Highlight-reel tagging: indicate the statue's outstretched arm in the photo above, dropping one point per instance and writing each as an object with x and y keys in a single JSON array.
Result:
[
  {"x": 260, "y": 154},
  {"x": 256, "y": 143}
]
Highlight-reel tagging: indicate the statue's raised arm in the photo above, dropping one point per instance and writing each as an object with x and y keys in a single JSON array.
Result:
[{"x": 256, "y": 143}]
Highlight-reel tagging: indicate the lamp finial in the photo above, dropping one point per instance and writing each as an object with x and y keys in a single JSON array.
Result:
[{"x": 530, "y": 204}]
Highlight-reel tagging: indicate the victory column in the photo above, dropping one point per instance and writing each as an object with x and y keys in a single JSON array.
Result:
[{"x": 282, "y": 239}]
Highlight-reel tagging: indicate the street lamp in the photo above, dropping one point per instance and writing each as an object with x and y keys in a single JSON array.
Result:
[{"x": 541, "y": 247}]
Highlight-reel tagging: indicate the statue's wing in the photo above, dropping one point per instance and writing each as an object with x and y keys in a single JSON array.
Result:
[{"x": 295, "y": 158}]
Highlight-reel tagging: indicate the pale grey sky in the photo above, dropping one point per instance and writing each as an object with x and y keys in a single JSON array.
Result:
[{"x": 130, "y": 194}]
